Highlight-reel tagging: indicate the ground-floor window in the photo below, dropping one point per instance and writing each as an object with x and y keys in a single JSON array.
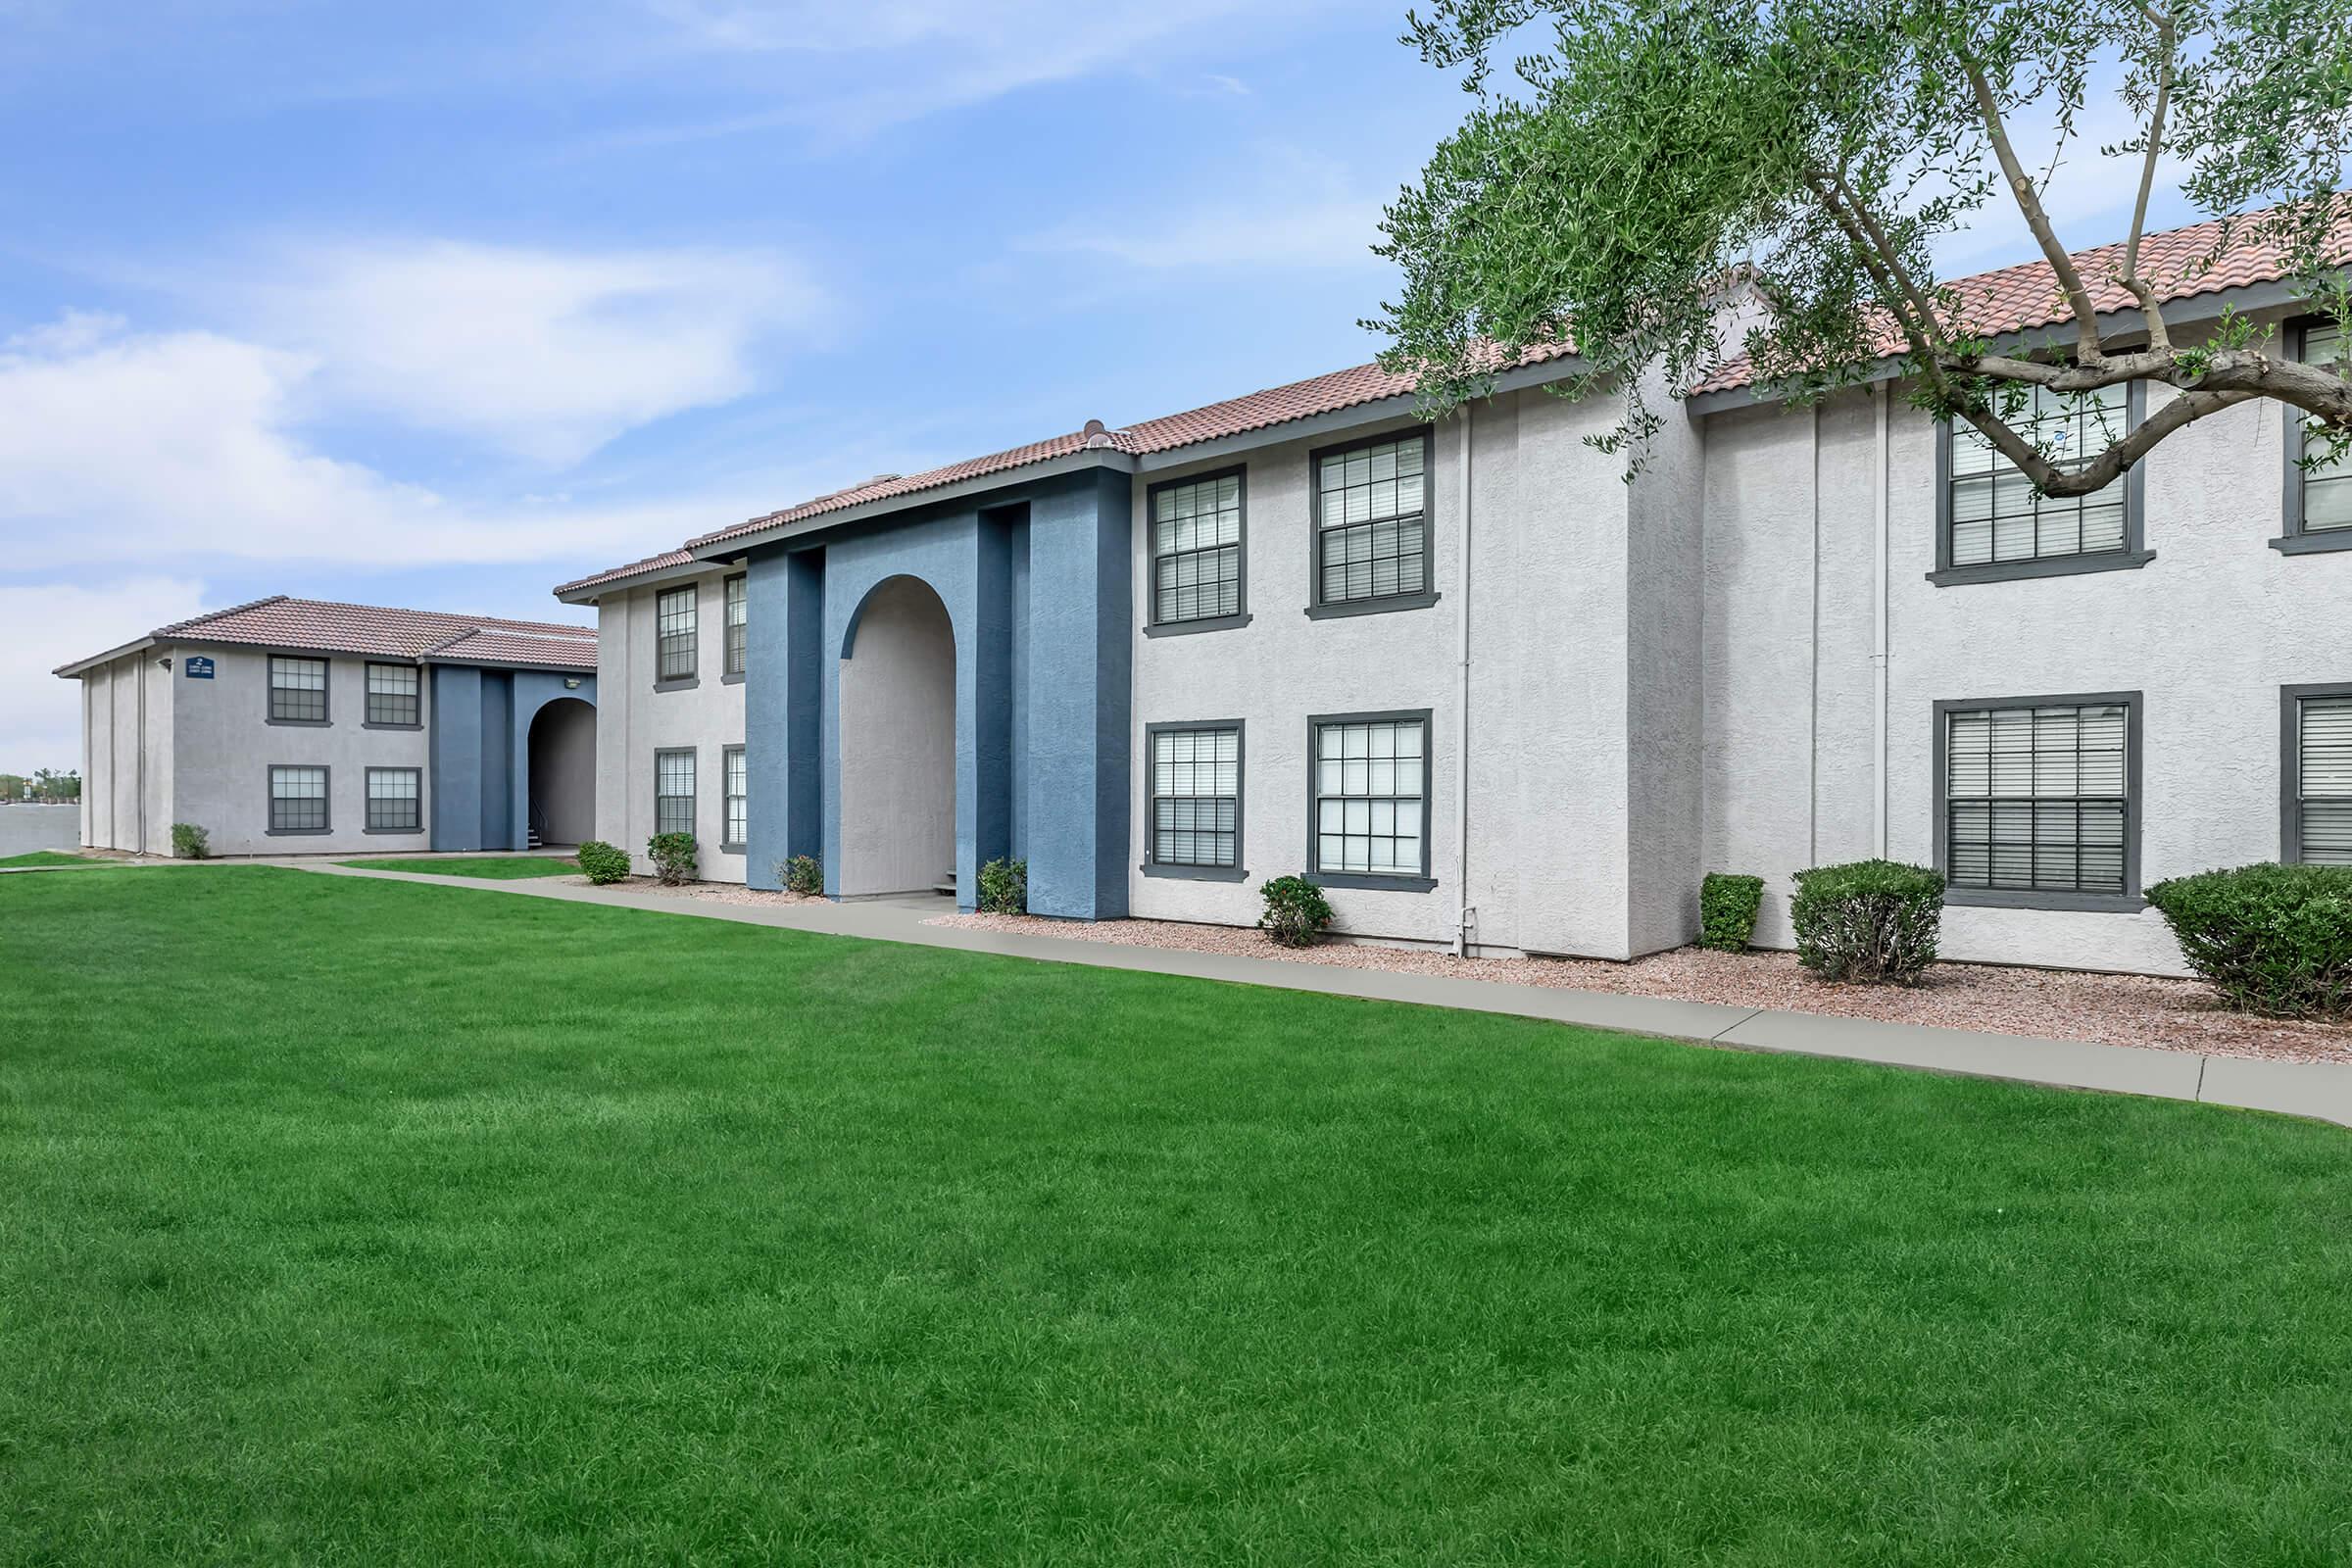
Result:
[
  {"x": 2039, "y": 796},
  {"x": 297, "y": 800},
  {"x": 2319, "y": 756},
  {"x": 1369, "y": 774},
  {"x": 674, "y": 792},
  {"x": 395, "y": 800},
  {"x": 735, "y": 802},
  {"x": 1196, "y": 796}
]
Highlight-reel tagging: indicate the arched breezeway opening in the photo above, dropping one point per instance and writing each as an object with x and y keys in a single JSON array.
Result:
[
  {"x": 898, "y": 744},
  {"x": 562, "y": 772}
]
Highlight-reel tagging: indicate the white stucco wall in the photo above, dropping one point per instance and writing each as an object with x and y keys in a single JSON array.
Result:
[
  {"x": 128, "y": 762},
  {"x": 634, "y": 722},
  {"x": 897, "y": 745},
  {"x": 2208, "y": 632}
]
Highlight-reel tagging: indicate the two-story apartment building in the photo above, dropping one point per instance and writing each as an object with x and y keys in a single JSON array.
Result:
[
  {"x": 1490, "y": 694},
  {"x": 295, "y": 727}
]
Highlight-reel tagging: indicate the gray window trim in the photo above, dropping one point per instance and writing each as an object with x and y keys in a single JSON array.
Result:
[
  {"x": 327, "y": 694},
  {"x": 2290, "y": 763},
  {"x": 2292, "y": 539},
  {"x": 269, "y": 803},
  {"x": 1317, "y": 609},
  {"x": 1154, "y": 626},
  {"x": 725, "y": 846},
  {"x": 2134, "y": 555},
  {"x": 2124, "y": 903},
  {"x": 1423, "y": 883},
  {"x": 1236, "y": 873},
  {"x": 728, "y": 676},
  {"x": 366, "y": 695},
  {"x": 694, "y": 797},
  {"x": 693, "y": 655},
  {"x": 364, "y": 800}
]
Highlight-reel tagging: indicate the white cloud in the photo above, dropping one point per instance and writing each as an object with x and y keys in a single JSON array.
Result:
[
  {"x": 137, "y": 448},
  {"x": 50, "y": 623},
  {"x": 1304, "y": 211},
  {"x": 543, "y": 354}
]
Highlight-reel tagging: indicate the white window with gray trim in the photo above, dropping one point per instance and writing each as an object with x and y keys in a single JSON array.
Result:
[
  {"x": 297, "y": 690},
  {"x": 2318, "y": 759},
  {"x": 1196, "y": 549},
  {"x": 297, "y": 800},
  {"x": 735, "y": 799},
  {"x": 393, "y": 696},
  {"x": 1993, "y": 521},
  {"x": 1195, "y": 810},
  {"x": 2319, "y": 487},
  {"x": 738, "y": 624},
  {"x": 2038, "y": 800},
  {"x": 1371, "y": 504},
  {"x": 678, "y": 625},
  {"x": 674, "y": 790},
  {"x": 395, "y": 800},
  {"x": 1370, "y": 778}
]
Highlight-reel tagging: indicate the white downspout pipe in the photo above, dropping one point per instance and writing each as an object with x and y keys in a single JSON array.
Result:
[
  {"x": 1881, "y": 481},
  {"x": 1461, "y": 696},
  {"x": 1813, "y": 668}
]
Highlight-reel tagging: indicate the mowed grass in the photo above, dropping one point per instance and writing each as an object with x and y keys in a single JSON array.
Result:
[
  {"x": 49, "y": 857},
  {"x": 372, "y": 1222},
  {"x": 491, "y": 867}
]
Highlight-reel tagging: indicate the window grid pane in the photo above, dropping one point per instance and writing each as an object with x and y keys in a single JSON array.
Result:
[
  {"x": 1374, "y": 527},
  {"x": 2037, "y": 798},
  {"x": 2324, "y": 773},
  {"x": 392, "y": 693},
  {"x": 1197, "y": 797},
  {"x": 2327, "y": 488},
  {"x": 1997, "y": 515},
  {"x": 297, "y": 688},
  {"x": 395, "y": 800},
  {"x": 297, "y": 799},
  {"x": 738, "y": 623},
  {"x": 675, "y": 627},
  {"x": 1197, "y": 550},
  {"x": 735, "y": 785},
  {"x": 1368, "y": 782},
  {"x": 674, "y": 792}
]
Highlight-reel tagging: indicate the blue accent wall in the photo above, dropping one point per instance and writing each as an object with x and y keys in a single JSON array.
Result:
[
  {"x": 1036, "y": 586},
  {"x": 480, "y": 749}
]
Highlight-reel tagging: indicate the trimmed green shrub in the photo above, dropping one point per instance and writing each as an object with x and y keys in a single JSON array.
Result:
[
  {"x": 190, "y": 842},
  {"x": 673, "y": 856},
  {"x": 803, "y": 873},
  {"x": 1295, "y": 911},
  {"x": 1004, "y": 887},
  {"x": 1867, "y": 921},
  {"x": 2273, "y": 939},
  {"x": 1727, "y": 910},
  {"x": 603, "y": 863}
]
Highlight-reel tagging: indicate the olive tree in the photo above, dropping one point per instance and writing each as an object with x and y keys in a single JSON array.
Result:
[{"x": 1638, "y": 158}]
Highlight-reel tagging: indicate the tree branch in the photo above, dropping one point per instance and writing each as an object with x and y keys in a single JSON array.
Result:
[
  {"x": 2159, "y": 340},
  {"x": 1913, "y": 332},
  {"x": 2021, "y": 185}
]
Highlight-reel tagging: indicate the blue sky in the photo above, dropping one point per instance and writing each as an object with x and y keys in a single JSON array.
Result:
[{"x": 440, "y": 304}]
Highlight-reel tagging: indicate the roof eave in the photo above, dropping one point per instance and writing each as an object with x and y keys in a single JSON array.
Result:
[
  {"x": 589, "y": 593},
  {"x": 81, "y": 666}
]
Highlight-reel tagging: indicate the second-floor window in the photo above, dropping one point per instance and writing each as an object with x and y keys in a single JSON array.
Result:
[
  {"x": 677, "y": 618},
  {"x": 2319, "y": 497},
  {"x": 392, "y": 693},
  {"x": 1196, "y": 549},
  {"x": 297, "y": 690},
  {"x": 1371, "y": 505},
  {"x": 739, "y": 624},
  {"x": 1994, "y": 516}
]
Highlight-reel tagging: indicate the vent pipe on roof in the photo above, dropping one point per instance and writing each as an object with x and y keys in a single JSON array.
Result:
[{"x": 1096, "y": 433}]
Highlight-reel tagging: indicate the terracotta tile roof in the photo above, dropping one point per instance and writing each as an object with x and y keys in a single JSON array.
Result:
[
  {"x": 279, "y": 621},
  {"x": 548, "y": 650},
  {"x": 668, "y": 558},
  {"x": 2019, "y": 299}
]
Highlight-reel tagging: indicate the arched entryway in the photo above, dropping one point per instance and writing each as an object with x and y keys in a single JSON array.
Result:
[
  {"x": 562, "y": 772},
  {"x": 898, "y": 743}
]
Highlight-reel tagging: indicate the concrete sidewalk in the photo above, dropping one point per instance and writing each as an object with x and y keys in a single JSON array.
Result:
[{"x": 2321, "y": 1091}]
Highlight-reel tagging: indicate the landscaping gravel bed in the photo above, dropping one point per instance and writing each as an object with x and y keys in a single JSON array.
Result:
[
  {"x": 2050, "y": 1004},
  {"x": 709, "y": 892}
]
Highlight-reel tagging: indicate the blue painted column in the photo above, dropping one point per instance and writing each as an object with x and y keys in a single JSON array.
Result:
[
  {"x": 783, "y": 698},
  {"x": 1078, "y": 659},
  {"x": 455, "y": 747}
]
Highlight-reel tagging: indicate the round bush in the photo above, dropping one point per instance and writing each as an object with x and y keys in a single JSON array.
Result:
[
  {"x": 1004, "y": 887},
  {"x": 1867, "y": 921},
  {"x": 2273, "y": 939},
  {"x": 804, "y": 874},
  {"x": 1727, "y": 910},
  {"x": 673, "y": 856},
  {"x": 603, "y": 863},
  {"x": 1295, "y": 911}
]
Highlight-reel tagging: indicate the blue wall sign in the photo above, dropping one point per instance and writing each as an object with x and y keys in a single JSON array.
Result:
[{"x": 199, "y": 667}]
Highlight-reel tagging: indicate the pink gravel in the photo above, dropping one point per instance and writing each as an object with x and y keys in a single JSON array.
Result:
[
  {"x": 708, "y": 892},
  {"x": 2044, "y": 1004}
]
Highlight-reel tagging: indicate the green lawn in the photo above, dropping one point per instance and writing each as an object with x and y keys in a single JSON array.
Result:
[
  {"x": 493, "y": 867},
  {"x": 372, "y": 1223},
  {"x": 50, "y": 858}
]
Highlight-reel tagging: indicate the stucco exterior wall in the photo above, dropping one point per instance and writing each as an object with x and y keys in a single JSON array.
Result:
[
  {"x": 2208, "y": 631},
  {"x": 634, "y": 722},
  {"x": 561, "y": 741},
  {"x": 126, "y": 762},
  {"x": 897, "y": 745},
  {"x": 224, "y": 747}
]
